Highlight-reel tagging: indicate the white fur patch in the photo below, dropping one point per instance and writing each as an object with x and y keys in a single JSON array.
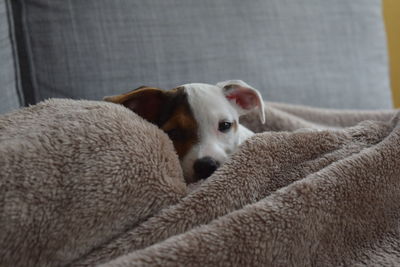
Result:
[{"x": 210, "y": 106}]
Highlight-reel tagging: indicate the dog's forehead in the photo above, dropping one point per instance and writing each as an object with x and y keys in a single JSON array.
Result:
[
  {"x": 204, "y": 93},
  {"x": 207, "y": 100},
  {"x": 202, "y": 90}
]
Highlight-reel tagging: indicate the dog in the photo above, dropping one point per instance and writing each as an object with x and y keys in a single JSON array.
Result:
[{"x": 202, "y": 120}]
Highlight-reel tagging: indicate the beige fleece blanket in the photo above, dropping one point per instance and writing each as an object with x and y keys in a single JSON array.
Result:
[{"x": 84, "y": 183}]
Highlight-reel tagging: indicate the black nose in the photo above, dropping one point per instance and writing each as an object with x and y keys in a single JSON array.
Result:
[{"x": 204, "y": 167}]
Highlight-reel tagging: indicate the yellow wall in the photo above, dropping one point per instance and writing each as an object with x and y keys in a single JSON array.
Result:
[{"x": 391, "y": 11}]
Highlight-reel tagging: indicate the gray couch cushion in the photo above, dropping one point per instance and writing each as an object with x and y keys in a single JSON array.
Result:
[
  {"x": 316, "y": 52},
  {"x": 9, "y": 98}
]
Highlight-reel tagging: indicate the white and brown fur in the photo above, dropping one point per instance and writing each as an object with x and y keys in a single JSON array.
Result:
[{"x": 192, "y": 115}]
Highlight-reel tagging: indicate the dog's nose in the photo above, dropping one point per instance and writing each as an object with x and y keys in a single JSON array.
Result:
[{"x": 204, "y": 167}]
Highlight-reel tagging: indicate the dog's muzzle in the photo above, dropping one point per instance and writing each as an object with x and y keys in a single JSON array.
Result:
[{"x": 204, "y": 167}]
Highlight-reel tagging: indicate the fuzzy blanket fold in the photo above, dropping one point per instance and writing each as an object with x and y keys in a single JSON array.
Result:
[{"x": 84, "y": 183}]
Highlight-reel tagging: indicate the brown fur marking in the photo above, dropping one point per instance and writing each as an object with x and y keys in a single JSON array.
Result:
[
  {"x": 185, "y": 128},
  {"x": 168, "y": 109},
  {"x": 235, "y": 126}
]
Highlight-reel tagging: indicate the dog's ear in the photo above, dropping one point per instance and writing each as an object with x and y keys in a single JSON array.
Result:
[
  {"x": 243, "y": 97},
  {"x": 147, "y": 102}
]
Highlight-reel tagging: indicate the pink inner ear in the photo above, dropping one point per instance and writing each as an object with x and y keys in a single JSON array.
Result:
[{"x": 246, "y": 99}]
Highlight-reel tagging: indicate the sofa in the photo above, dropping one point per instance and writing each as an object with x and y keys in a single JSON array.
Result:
[
  {"x": 90, "y": 183},
  {"x": 328, "y": 54}
]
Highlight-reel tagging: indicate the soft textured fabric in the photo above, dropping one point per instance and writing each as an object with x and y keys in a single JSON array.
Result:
[
  {"x": 9, "y": 97},
  {"x": 75, "y": 174},
  {"x": 84, "y": 183},
  {"x": 315, "y": 52}
]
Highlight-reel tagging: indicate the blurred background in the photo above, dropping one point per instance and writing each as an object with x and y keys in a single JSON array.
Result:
[
  {"x": 334, "y": 54},
  {"x": 391, "y": 10}
]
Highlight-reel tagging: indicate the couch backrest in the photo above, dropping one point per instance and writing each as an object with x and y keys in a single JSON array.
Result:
[
  {"x": 10, "y": 98},
  {"x": 314, "y": 52}
]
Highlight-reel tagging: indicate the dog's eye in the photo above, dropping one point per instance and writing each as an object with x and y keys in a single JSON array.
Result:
[
  {"x": 176, "y": 134},
  {"x": 224, "y": 126}
]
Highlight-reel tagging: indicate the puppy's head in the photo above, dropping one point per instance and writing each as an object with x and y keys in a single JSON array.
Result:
[{"x": 202, "y": 120}]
